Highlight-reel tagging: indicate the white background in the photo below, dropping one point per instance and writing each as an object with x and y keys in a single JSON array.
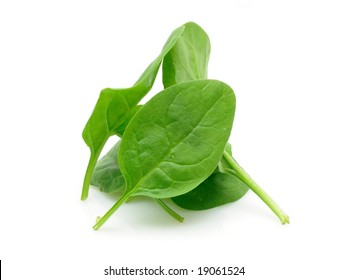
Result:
[{"x": 287, "y": 63}]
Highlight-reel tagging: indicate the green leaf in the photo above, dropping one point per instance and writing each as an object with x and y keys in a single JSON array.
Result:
[
  {"x": 188, "y": 59},
  {"x": 218, "y": 189},
  {"x": 221, "y": 187},
  {"x": 176, "y": 140},
  {"x": 107, "y": 175},
  {"x": 113, "y": 107}
]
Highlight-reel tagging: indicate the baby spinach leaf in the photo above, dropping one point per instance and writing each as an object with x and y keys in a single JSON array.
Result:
[
  {"x": 188, "y": 59},
  {"x": 107, "y": 175},
  {"x": 114, "y": 105},
  {"x": 175, "y": 141},
  {"x": 221, "y": 187},
  {"x": 218, "y": 189},
  {"x": 177, "y": 138}
]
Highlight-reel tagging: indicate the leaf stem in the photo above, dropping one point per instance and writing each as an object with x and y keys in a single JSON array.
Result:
[
  {"x": 88, "y": 175},
  {"x": 94, "y": 156},
  {"x": 256, "y": 188},
  {"x": 109, "y": 213},
  {"x": 168, "y": 210}
]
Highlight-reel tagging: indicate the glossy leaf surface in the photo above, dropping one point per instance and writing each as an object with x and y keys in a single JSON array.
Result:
[{"x": 176, "y": 140}]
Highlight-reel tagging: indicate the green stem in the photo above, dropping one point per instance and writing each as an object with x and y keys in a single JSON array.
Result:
[
  {"x": 256, "y": 188},
  {"x": 168, "y": 210},
  {"x": 110, "y": 212},
  {"x": 87, "y": 177},
  {"x": 94, "y": 156}
]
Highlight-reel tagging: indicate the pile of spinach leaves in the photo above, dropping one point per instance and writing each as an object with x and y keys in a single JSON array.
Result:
[{"x": 176, "y": 145}]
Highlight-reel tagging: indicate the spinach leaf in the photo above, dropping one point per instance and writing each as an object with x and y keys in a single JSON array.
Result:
[
  {"x": 218, "y": 189},
  {"x": 113, "y": 107},
  {"x": 107, "y": 175},
  {"x": 221, "y": 187},
  {"x": 175, "y": 141},
  {"x": 177, "y": 137},
  {"x": 188, "y": 59}
]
